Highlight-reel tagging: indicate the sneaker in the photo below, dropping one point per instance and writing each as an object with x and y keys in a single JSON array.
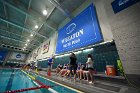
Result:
[{"x": 91, "y": 82}]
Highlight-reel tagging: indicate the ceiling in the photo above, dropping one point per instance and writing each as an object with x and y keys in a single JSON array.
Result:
[{"x": 18, "y": 19}]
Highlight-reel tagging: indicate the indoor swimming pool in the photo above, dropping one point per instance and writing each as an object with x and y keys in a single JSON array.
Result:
[{"x": 17, "y": 80}]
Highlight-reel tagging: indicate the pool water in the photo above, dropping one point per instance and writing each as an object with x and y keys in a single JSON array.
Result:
[{"x": 15, "y": 79}]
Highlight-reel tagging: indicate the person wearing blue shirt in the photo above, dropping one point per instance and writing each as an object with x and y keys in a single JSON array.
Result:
[{"x": 50, "y": 62}]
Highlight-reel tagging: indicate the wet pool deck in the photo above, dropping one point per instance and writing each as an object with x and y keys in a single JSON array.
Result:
[{"x": 115, "y": 85}]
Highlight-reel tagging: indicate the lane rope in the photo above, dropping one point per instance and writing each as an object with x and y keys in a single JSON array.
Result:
[
  {"x": 26, "y": 89},
  {"x": 42, "y": 84}
]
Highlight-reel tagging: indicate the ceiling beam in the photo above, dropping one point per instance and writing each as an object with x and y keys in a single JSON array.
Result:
[
  {"x": 46, "y": 20},
  {"x": 18, "y": 35},
  {"x": 29, "y": 4},
  {"x": 25, "y": 18},
  {"x": 59, "y": 7},
  {"x": 19, "y": 26},
  {"x": 16, "y": 40},
  {"x": 6, "y": 14},
  {"x": 26, "y": 13},
  {"x": 17, "y": 50},
  {"x": 27, "y": 10},
  {"x": 5, "y": 11}
]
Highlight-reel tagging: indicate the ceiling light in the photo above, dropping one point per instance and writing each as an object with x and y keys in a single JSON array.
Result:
[
  {"x": 36, "y": 26},
  {"x": 28, "y": 40},
  {"x": 25, "y": 44},
  {"x": 45, "y": 12},
  {"x": 31, "y": 35}
]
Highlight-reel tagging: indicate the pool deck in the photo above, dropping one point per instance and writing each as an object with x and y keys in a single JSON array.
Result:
[{"x": 109, "y": 85}]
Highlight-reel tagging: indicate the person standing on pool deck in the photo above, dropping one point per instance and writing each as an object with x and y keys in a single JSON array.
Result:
[
  {"x": 50, "y": 62},
  {"x": 73, "y": 65},
  {"x": 90, "y": 67}
]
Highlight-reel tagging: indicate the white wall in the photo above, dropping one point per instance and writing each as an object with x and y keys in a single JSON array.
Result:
[
  {"x": 125, "y": 27},
  {"x": 11, "y": 57},
  {"x": 14, "y": 55},
  {"x": 42, "y": 55}
]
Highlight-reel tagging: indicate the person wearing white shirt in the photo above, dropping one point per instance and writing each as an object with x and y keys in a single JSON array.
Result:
[{"x": 90, "y": 67}]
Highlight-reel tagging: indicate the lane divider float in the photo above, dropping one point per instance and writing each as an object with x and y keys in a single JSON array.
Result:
[{"x": 26, "y": 89}]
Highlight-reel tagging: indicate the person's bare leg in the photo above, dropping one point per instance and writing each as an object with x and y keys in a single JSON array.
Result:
[
  {"x": 80, "y": 74},
  {"x": 91, "y": 76},
  {"x": 74, "y": 74},
  {"x": 65, "y": 73},
  {"x": 60, "y": 72},
  {"x": 70, "y": 76},
  {"x": 84, "y": 74},
  {"x": 56, "y": 71},
  {"x": 49, "y": 72},
  {"x": 74, "y": 77},
  {"x": 87, "y": 75},
  {"x": 68, "y": 73}
]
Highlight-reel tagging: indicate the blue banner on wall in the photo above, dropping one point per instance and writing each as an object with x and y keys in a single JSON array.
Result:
[
  {"x": 81, "y": 31},
  {"x": 3, "y": 55},
  {"x": 119, "y": 5}
]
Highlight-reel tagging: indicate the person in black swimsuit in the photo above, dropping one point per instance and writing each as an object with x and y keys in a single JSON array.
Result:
[{"x": 73, "y": 65}]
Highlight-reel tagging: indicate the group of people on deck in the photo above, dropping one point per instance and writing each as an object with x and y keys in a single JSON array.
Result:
[{"x": 83, "y": 71}]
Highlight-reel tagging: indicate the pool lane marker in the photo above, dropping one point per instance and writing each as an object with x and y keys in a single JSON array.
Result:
[
  {"x": 52, "y": 90},
  {"x": 47, "y": 87},
  {"x": 33, "y": 78},
  {"x": 22, "y": 90},
  {"x": 64, "y": 85},
  {"x": 36, "y": 83},
  {"x": 28, "y": 75},
  {"x": 9, "y": 84},
  {"x": 61, "y": 84}
]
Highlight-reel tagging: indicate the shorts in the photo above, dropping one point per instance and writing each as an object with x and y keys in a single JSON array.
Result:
[
  {"x": 85, "y": 72},
  {"x": 90, "y": 68},
  {"x": 60, "y": 67},
  {"x": 49, "y": 67},
  {"x": 73, "y": 67}
]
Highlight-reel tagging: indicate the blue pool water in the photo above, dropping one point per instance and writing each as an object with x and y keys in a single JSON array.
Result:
[{"x": 15, "y": 79}]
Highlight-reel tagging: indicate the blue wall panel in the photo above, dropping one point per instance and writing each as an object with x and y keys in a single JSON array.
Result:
[
  {"x": 3, "y": 54},
  {"x": 81, "y": 31}
]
